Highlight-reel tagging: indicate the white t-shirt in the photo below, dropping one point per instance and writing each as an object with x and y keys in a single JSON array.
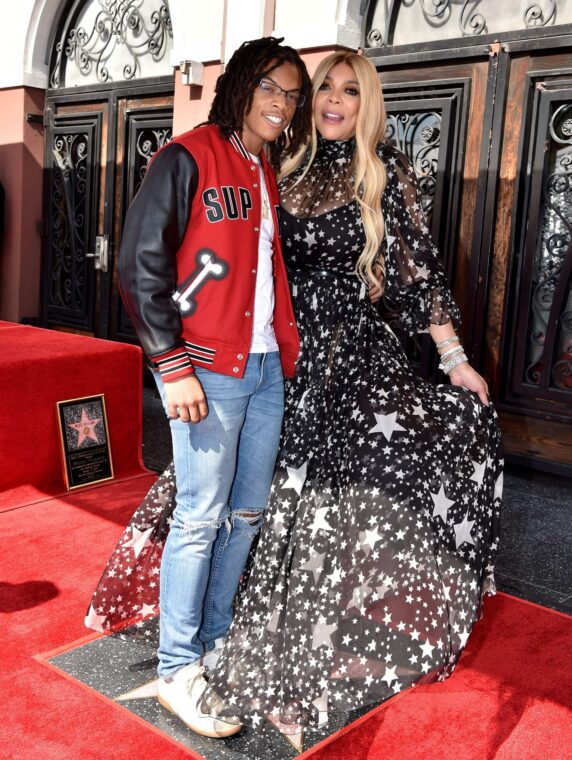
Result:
[{"x": 263, "y": 337}]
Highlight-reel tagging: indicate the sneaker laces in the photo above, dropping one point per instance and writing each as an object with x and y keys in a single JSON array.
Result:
[{"x": 201, "y": 673}]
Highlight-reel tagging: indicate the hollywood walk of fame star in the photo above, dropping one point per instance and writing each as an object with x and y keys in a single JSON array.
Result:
[{"x": 85, "y": 428}]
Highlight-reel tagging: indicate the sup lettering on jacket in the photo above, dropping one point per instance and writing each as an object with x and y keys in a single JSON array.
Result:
[{"x": 227, "y": 203}]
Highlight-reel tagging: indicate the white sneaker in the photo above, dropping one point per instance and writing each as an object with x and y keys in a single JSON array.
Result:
[
  {"x": 210, "y": 659},
  {"x": 180, "y": 696}
]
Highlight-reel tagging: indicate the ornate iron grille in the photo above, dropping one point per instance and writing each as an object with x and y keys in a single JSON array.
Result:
[
  {"x": 542, "y": 367},
  {"x": 549, "y": 336},
  {"x": 418, "y": 135},
  {"x": 398, "y": 22},
  {"x": 147, "y": 141},
  {"x": 146, "y": 132},
  {"x": 73, "y": 195},
  {"x": 428, "y": 125},
  {"x": 113, "y": 40}
]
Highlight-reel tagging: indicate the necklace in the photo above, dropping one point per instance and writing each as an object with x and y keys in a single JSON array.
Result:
[
  {"x": 265, "y": 202},
  {"x": 265, "y": 207}
]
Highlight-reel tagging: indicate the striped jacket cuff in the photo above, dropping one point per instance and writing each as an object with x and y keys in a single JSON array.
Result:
[{"x": 174, "y": 364}]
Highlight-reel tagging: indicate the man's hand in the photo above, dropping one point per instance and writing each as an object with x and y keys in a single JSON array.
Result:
[{"x": 186, "y": 399}]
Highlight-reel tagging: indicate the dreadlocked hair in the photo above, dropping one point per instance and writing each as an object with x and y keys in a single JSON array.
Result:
[{"x": 235, "y": 89}]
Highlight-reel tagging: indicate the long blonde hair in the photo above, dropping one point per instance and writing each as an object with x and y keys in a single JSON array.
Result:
[{"x": 368, "y": 170}]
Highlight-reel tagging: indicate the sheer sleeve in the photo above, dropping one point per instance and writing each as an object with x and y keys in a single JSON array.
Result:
[{"x": 416, "y": 289}]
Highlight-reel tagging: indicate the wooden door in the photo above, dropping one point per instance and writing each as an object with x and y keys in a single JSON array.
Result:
[
  {"x": 435, "y": 117},
  {"x": 97, "y": 152},
  {"x": 529, "y": 326},
  {"x": 488, "y": 130}
]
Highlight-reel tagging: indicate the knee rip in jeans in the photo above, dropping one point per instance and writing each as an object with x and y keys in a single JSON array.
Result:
[
  {"x": 251, "y": 517},
  {"x": 193, "y": 527}
]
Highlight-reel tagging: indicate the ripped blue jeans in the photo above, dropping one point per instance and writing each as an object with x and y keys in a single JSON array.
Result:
[{"x": 224, "y": 466}]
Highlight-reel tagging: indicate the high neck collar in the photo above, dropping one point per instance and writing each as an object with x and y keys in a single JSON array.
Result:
[{"x": 335, "y": 149}]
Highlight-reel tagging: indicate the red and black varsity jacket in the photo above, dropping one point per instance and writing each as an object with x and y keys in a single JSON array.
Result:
[{"x": 189, "y": 255}]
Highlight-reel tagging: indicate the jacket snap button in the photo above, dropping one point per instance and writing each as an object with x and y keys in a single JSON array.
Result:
[
  {"x": 240, "y": 356},
  {"x": 254, "y": 185},
  {"x": 256, "y": 229},
  {"x": 253, "y": 271},
  {"x": 235, "y": 369},
  {"x": 246, "y": 313},
  {"x": 291, "y": 324},
  {"x": 253, "y": 168}
]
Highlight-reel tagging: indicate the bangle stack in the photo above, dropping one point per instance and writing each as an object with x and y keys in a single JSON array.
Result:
[{"x": 451, "y": 356}]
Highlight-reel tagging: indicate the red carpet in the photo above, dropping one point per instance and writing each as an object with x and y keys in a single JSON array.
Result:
[
  {"x": 37, "y": 369},
  {"x": 509, "y": 698},
  {"x": 52, "y": 556}
]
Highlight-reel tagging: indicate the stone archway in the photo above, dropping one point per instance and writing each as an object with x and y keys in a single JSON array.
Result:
[{"x": 43, "y": 20}]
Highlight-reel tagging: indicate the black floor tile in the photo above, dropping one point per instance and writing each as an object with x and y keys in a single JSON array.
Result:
[
  {"x": 536, "y": 541},
  {"x": 537, "y": 594},
  {"x": 542, "y": 484},
  {"x": 157, "y": 448},
  {"x": 110, "y": 666}
]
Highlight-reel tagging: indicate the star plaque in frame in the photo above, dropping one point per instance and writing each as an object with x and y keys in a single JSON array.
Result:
[{"x": 85, "y": 441}]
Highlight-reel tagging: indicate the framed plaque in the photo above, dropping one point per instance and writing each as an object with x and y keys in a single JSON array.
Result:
[{"x": 85, "y": 441}]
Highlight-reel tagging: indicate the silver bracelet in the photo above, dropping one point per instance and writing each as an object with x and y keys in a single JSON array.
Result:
[
  {"x": 446, "y": 342},
  {"x": 452, "y": 351},
  {"x": 450, "y": 364}
]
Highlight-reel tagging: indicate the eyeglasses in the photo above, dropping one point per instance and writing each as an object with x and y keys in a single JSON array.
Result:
[{"x": 293, "y": 97}]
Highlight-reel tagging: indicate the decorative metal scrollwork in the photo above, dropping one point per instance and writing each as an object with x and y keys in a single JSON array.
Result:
[
  {"x": 554, "y": 250},
  {"x": 418, "y": 135},
  {"x": 68, "y": 200},
  {"x": 438, "y": 13},
  {"x": 375, "y": 38},
  {"x": 122, "y": 34},
  {"x": 539, "y": 14},
  {"x": 148, "y": 142},
  {"x": 398, "y": 22},
  {"x": 472, "y": 22}
]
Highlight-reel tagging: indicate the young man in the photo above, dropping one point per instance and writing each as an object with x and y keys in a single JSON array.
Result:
[{"x": 203, "y": 279}]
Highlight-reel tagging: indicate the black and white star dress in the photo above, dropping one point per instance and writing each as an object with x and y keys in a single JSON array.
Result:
[{"x": 380, "y": 535}]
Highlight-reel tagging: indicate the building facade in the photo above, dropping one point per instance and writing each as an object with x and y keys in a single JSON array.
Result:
[{"x": 478, "y": 94}]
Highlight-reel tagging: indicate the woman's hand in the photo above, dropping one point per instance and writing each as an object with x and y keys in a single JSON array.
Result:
[
  {"x": 375, "y": 289},
  {"x": 465, "y": 376}
]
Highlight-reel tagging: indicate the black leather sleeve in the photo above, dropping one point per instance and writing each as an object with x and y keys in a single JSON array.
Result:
[{"x": 154, "y": 229}]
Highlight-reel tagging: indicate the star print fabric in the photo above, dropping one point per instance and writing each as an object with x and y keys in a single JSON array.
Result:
[
  {"x": 126, "y": 599},
  {"x": 382, "y": 527}
]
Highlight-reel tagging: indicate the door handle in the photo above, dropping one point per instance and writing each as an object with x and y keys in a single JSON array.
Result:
[{"x": 101, "y": 254}]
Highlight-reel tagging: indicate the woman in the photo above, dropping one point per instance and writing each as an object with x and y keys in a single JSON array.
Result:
[
  {"x": 379, "y": 540},
  {"x": 380, "y": 535}
]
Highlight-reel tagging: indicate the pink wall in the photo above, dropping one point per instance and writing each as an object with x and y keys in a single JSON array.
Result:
[{"x": 21, "y": 162}]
